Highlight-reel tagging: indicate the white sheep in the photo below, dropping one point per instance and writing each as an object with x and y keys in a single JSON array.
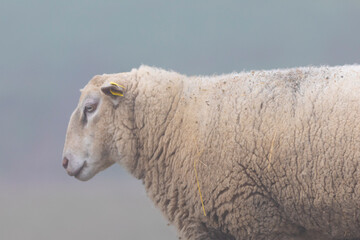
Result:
[{"x": 263, "y": 154}]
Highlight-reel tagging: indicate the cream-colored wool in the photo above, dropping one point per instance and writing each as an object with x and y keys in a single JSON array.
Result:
[{"x": 277, "y": 151}]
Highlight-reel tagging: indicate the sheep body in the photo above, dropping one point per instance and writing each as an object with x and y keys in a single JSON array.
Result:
[{"x": 276, "y": 152}]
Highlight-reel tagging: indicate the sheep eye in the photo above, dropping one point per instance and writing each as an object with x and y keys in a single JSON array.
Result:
[{"x": 89, "y": 108}]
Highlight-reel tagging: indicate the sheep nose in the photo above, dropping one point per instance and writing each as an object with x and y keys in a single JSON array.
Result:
[{"x": 65, "y": 162}]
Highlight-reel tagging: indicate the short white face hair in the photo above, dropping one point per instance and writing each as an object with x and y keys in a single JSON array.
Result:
[{"x": 88, "y": 149}]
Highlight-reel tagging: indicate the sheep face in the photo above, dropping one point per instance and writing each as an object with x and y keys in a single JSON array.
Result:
[{"x": 89, "y": 145}]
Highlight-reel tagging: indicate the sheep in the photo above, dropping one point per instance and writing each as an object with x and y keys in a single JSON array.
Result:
[{"x": 251, "y": 155}]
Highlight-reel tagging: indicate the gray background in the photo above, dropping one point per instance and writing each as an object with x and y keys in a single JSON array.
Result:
[{"x": 51, "y": 49}]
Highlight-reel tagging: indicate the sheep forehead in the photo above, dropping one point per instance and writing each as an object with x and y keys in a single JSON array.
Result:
[
  {"x": 92, "y": 87},
  {"x": 97, "y": 80},
  {"x": 88, "y": 92}
]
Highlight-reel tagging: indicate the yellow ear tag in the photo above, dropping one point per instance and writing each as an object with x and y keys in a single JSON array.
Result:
[{"x": 115, "y": 93}]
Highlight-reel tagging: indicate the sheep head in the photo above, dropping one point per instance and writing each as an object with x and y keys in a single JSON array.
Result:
[{"x": 93, "y": 140}]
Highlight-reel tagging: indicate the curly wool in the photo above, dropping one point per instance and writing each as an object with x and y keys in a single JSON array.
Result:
[{"x": 276, "y": 151}]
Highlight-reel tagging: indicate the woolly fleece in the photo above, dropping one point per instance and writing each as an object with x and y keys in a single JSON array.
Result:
[{"x": 277, "y": 152}]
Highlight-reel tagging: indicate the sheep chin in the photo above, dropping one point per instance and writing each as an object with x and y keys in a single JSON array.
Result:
[{"x": 84, "y": 174}]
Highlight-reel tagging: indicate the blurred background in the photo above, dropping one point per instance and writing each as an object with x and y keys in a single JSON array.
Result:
[{"x": 51, "y": 49}]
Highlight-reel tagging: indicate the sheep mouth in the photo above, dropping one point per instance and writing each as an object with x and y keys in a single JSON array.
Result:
[{"x": 78, "y": 172}]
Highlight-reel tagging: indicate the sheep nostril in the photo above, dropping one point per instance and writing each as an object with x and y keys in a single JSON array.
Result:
[{"x": 65, "y": 162}]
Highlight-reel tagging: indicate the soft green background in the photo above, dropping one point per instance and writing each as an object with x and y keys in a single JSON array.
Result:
[{"x": 50, "y": 49}]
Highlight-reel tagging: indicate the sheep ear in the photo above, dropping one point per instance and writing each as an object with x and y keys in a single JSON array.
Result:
[{"x": 114, "y": 90}]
